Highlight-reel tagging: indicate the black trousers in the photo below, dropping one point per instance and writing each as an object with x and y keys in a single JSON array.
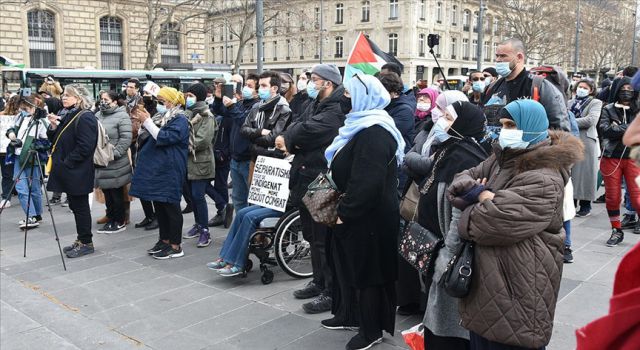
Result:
[
  {"x": 79, "y": 205},
  {"x": 443, "y": 343},
  {"x": 408, "y": 285},
  {"x": 169, "y": 217},
  {"x": 147, "y": 207},
  {"x": 114, "y": 199},
  {"x": 480, "y": 343},
  {"x": 316, "y": 235}
]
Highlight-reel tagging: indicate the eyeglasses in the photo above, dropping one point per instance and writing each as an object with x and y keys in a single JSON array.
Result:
[
  {"x": 478, "y": 79},
  {"x": 366, "y": 89}
]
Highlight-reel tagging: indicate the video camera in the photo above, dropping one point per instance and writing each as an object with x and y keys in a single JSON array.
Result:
[
  {"x": 433, "y": 40},
  {"x": 40, "y": 113}
]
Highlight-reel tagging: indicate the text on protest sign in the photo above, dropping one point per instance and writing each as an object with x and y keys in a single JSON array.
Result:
[{"x": 270, "y": 183}]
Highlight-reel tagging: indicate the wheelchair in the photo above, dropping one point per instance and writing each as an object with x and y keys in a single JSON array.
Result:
[{"x": 279, "y": 242}]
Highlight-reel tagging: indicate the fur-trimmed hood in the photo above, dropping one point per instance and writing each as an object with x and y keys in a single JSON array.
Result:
[{"x": 561, "y": 151}]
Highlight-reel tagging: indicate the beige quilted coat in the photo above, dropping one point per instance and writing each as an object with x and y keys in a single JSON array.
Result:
[{"x": 520, "y": 241}]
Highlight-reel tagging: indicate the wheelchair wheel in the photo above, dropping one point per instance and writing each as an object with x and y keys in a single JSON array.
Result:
[
  {"x": 248, "y": 265},
  {"x": 267, "y": 277},
  {"x": 292, "y": 251}
]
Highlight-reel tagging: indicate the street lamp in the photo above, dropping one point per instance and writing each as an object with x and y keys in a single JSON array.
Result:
[
  {"x": 576, "y": 60},
  {"x": 480, "y": 35}
]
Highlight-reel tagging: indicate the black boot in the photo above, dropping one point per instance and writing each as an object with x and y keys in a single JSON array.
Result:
[
  {"x": 152, "y": 225},
  {"x": 217, "y": 220},
  {"x": 188, "y": 209},
  {"x": 144, "y": 223}
]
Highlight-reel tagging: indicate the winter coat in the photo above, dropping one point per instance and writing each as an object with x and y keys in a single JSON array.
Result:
[
  {"x": 273, "y": 115},
  {"x": 201, "y": 163},
  {"x": 519, "y": 240},
  {"x": 402, "y": 110},
  {"x": 308, "y": 138},
  {"x": 221, "y": 146},
  {"x": 299, "y": 104},
  {"x": 614, "y": 121},
  {"x": 367, "y": 241},
  {"x": 584, "y": 174},
  {"x": 118, "y": 127},
  {"x": 6, "y": 122},
  {"x": 72, "y": 162},
  {"x": 239, "y": 146},
  {"x": 161, "y": 167},
  {"x": 415, "y": 164}
]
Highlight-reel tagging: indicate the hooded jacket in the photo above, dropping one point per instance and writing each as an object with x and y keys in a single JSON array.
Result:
[
  {"x": 402, "y": 110},
  {"x": 239, "y": 146},
  {"x": 519, "y": 240},
  {"x": 614, "y": 121},
  {"x": 309, "y": 137},
  {"x": 273, "y": 115},
  {"x": 201, "y": 163}
]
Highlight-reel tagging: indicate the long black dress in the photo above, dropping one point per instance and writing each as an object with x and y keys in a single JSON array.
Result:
[{"x": 363, "y": 249}]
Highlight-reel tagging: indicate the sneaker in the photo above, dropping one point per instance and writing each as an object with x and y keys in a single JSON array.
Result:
[
  {"x": 153, "y": 225},
  {"x": 205, "y": 238},
  {"x": 230, "y": 271},
  {"x": 160, "y": 246},
  {"x": 38, "y": 218},
  {"x": 228, "y": 215},
  {"x": 54, "y": 201},
  {"x": 72, "y": 246},
  {"x": 628, "y": 220},
  {"x": 568, "y": 255},
  {"x": 335, "y": 324},
  {"x": 192, "y": 233},
  {"x": 216, "y": 265},
  {"x": 169, "y": 253},
  {"x": 112, "y": 227},
  {"x": 217, "y": 220},
  {"x": 318, "y": 305},
  {"x": 311, "y": 290},
  {"x": 616, "y": 237},
  {"x": 65, "y": 203},
  {"x": 5, "y": 203},
  {"x": 30, "y": 223},
  {"x": 143, "y": 223},
  {"x": 582, "y": 213},
  {"x": 600, "y": 199},
  {"x": 80, "y": 249},
  {"x": 359, "y": 342}
]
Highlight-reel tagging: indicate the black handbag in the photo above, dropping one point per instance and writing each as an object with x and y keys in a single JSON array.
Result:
[{"x": 456, "y": 279}]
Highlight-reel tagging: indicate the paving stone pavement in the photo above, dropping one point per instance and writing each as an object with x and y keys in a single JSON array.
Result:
[{"x": 120, "y": 298}]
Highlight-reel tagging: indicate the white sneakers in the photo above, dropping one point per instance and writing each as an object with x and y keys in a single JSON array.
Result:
[
  {"x": 31, "y": 223},
  {"x": 5, "y": 203}
]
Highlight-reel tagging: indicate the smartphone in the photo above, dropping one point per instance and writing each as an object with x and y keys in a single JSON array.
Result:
[{"x": 228, "y": 90}]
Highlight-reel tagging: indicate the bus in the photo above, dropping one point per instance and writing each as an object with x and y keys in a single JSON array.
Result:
[
  {"x": 99, "y": 80},
  {"x": 456, "y": 82}
]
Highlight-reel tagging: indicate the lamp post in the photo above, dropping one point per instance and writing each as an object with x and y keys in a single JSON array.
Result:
[
  {"x": 259, "y": 33},
  {"x": 576, "y": 59},
  {"x": 321, "y": 30},
  {"x": 635, "y": 33},
  {"x": 480, "y": 36}
]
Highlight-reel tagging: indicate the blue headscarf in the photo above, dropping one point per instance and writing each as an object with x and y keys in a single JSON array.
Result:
[
  {"x": 531, "y": 118},
  {"x": 368, "y": 100}
]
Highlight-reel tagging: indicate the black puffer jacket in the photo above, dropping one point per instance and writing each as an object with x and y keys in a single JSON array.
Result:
[
  {"x": 309, "y": 137},
  {"x": 273, "y": 115},
  {"x": 614, "y": 120}
]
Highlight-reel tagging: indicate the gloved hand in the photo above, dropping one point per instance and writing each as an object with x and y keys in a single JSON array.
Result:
[{"x": 17, "y": 143}]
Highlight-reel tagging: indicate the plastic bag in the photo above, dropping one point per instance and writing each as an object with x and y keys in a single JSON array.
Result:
[{"x": 414, "y": 337}]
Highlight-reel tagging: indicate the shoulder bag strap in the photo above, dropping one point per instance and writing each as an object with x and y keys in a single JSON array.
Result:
[{"x": 53, "y": 149}]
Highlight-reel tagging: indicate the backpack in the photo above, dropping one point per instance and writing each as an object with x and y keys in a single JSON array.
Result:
[{"x": 104, "y": 149}]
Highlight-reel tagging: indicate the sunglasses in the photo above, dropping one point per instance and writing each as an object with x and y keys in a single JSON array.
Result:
[
  {"x": 366, "y": 89},
  {"x": 478, "y": 79}
]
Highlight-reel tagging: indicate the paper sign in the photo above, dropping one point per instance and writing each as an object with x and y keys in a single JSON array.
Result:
[{"x": 270, "y": 183}]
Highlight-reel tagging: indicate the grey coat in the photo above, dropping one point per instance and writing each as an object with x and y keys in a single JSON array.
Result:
[
  {"x": 585, "y": 173},
  {"x": 417, "y": 165},
  {"x": 441, "y": 316},
  {"x": 118, "y": 126},
  {"x": 201, "y": 163}
]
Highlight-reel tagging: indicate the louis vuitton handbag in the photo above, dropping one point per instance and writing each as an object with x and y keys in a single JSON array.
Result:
[{"x": 322, "y": 199}]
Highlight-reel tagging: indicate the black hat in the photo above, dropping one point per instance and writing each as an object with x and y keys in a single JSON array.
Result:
[{"x": 199, "y": 90}]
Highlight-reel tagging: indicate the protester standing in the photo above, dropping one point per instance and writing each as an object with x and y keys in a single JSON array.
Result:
[{"x": 7, "y": 120}]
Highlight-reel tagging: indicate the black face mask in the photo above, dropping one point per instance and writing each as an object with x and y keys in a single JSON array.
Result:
[
  {"x": 625, "y": 95},
  {"x": 345, "y": 104}
]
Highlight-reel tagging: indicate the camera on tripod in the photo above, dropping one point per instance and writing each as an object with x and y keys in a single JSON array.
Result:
[
  {"x": 39, "y": 113},
  {"x": 433, "y": 40}
]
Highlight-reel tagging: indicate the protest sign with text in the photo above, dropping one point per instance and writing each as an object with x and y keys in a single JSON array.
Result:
[{"x": 270, "y": 183}]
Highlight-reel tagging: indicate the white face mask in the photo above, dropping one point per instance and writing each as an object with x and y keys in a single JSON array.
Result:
[
  {"x": 581, "y": 92},
  {"x": 423, "y": 106},
  {"x": 436, "y": 113},
  {"x": 512, "y": 138},
  {"x": 302, "y": 85}
]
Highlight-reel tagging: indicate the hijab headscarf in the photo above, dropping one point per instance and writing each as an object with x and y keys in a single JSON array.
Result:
[
  {"x": 443, "y": 101},
  {"x": 471, "y": 121},
  {"x": 531, "y": 118},
  {"x": 368, "y": 100},
  {"x": 433, "y": 95}
]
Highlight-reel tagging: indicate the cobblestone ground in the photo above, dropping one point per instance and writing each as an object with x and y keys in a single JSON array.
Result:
[{"x": 120, "y": 298}]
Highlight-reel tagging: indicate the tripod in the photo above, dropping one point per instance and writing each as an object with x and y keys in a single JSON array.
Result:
[{"x": 33, "y": 160}]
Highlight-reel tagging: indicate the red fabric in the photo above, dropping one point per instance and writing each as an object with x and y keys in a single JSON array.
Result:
[
  {"x": 613, "y": 170},
  {"x": 620, "y": 329}
]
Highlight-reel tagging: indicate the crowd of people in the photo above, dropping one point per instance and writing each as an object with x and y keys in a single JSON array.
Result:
[{"x": 505, "y": 164}]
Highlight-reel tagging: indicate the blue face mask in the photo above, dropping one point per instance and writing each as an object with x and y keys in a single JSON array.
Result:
[
  {"x": 439, "y": 130},
  {"x": 503, "y": 68},
  {"x": 311, "y": 90},
  {"x": 478, "y": 86},
  {"x": 264, "y": 94},
  {"x": 191, "y": 101},
  {"x": 512, "y": 138},
  {"x": 247, "y": 93},
  {"x": 161, "y": 108}
]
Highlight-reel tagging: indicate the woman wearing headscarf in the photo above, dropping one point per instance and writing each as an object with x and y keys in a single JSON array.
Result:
[
  {"x": 161, "y": 168},
  {"x": 426, "y": 102},
  {"x": 364, "y": 240},
  {"x": 459, "y": 129},
  {"x": 513, "y": 212}
]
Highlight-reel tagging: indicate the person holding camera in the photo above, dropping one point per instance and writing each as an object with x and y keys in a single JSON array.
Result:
[
  {"x": 51, "y": 87},
  {"x": 71, "y": 169},
  {"x": 26, "y": 172}
]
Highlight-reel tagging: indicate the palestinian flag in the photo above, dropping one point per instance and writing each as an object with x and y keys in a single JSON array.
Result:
[
  {"x": 366, "y": 58},
  {"x": 5, "y": 61}
]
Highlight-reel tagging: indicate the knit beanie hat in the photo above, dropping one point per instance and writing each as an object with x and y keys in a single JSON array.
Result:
[
  {"x": 172, "y": 95},
  {"x": 199, "y": 90},
  {"x": 328, "y": 72}
]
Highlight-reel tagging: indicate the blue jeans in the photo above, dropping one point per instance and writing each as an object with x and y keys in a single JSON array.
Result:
[
  {"x": 567, "y": 230},
  {"x": 240, "y": 179},
  {"x": 234, "y": 249},
  {"x": 35, "y": 205},
  {"x": 198, "y": 202}
]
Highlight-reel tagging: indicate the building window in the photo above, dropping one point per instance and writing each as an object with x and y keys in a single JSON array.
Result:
[
  {"x": 339, "y": 13},
  {"x": 275, "y": 50},
  {"x": 301, "y": 49},
  {"x": 252, "y": 49},
  {"x": 496, "y": 26},
  {"x": 476, "y": 18},
  {"x": 111, "y": 42},
  {"x": 453, "y": 48},
  {"x": 466, "y": 16},
  {"x": 495, "y": 48},
  {"x": 170, "y": 52},
  {"x": 393, "y": 9},
  {"x": 221, "y": 54},
  {"x": 436, "y": 49},
  {"x": 288, "y": 49},
  {"x": 485, "y": 51},
  {"x": 474, "y": 49},
  {"x": 316, "y": 18},
  {"x": 487, "y": 24},
  {"x": 339, "y": 46},
  {"x": 393, "y": 44},
  {"x": 454, "y": 15},
  {"x": 421, "y": 45},
  {"x": 42, "y": 43},
  {"x": 317, "y": 54},
  {"x": 439, "y": 12},
  {"x": 423, "y": 10},
  {"x": 366, "y": 10},
  {"x": 465, "y": 49}
]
